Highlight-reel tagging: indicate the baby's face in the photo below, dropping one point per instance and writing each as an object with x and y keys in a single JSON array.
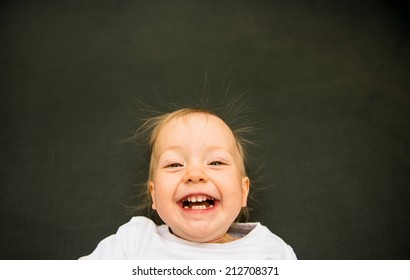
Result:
[{"x": 198, "y": 187}]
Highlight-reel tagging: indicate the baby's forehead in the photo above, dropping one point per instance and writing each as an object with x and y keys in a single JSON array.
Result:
[
  {"x": 195, "y": 127},
  {"x": 197, "y": 121}
]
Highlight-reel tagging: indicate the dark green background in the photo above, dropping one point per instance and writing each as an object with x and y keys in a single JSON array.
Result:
[{"x": 329, "y": 79}]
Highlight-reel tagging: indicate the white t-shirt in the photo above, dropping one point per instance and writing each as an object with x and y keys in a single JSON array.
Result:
[{"x": 141, "y": 238}]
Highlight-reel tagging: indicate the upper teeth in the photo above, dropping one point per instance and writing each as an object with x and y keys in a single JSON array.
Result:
[{"x": 197, "y": 198}]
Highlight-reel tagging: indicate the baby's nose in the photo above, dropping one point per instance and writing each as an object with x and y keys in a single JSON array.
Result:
[{"x": 195, "y": 174}]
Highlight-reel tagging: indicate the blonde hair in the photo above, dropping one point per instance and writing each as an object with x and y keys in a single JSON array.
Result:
[{"x": 150, "y": 130}]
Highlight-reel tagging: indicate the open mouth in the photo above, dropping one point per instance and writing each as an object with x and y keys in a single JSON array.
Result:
[{"x": 198, "y": 202}]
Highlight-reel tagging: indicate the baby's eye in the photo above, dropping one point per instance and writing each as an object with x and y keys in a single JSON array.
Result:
[
  {"x": 173, "y": 165},
  {"x": 216, "y": 162}
]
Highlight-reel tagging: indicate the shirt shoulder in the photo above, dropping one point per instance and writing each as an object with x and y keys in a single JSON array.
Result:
[
  {"x": 126, "y": 241},
  {"x": 261, "y": 242}
]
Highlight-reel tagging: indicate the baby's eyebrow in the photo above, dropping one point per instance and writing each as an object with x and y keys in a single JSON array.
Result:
[
  {"x": 218, "y": 148},
  {"x": 209, "y": 148},
  {"x": 172, "y": 148}
]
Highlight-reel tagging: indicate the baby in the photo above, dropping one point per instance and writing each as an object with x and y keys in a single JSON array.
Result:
[{"x": 198, "y": 186}]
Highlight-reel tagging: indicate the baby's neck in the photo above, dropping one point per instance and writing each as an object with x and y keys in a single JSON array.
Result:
[{"x": 224, "y": 239}]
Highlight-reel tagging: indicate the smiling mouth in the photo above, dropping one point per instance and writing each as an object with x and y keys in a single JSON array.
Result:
[{"x": 198, "y": 202}]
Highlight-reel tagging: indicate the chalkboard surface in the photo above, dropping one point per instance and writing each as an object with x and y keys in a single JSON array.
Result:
[{"x": 328, "y": 82}]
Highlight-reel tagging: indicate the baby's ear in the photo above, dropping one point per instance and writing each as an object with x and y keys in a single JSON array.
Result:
[
  {"x": 245, "y": 190},
  {"x": 152, "y": 192}
]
